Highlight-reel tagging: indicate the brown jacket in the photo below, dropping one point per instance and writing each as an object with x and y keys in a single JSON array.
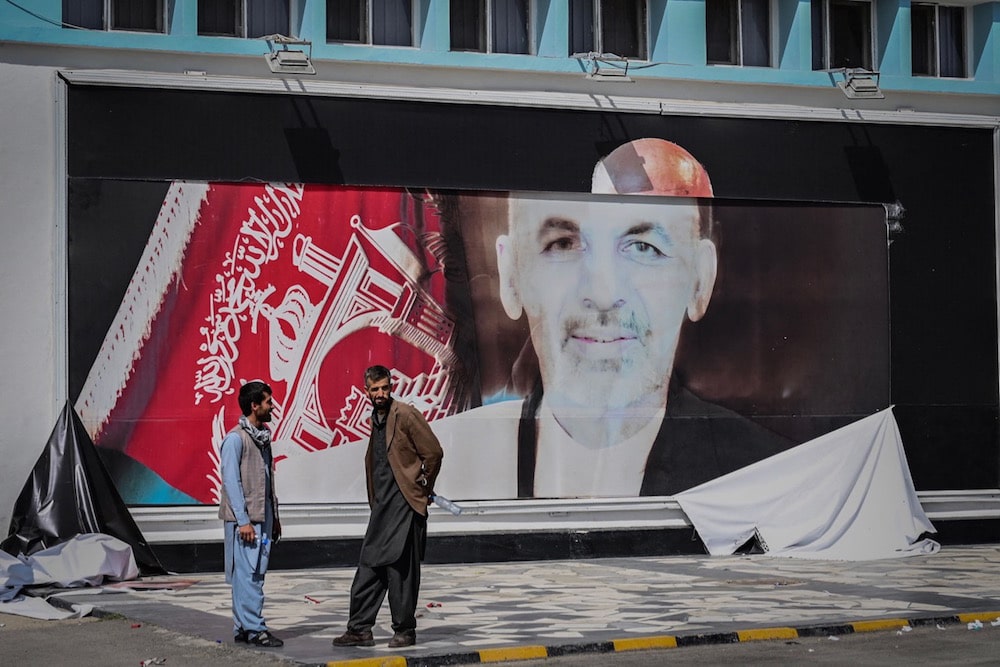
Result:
[{"x": 414, "y": 456}]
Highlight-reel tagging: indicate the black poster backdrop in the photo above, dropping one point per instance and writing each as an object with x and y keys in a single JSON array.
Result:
[
  {"x": 942, "y": 275},
  {"x": 795, "y": 337}
]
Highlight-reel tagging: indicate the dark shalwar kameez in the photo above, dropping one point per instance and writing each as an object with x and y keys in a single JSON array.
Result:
[{"x": 393, "y": 547}]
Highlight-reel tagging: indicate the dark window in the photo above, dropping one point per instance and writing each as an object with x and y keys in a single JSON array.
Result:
[
  {"x": 938, "y": 40},
  {"x": 623, "y": 28},
  {"x": 244, "y": 18},
  {"x": 385, "y": 22},
  {"x": 755, "y": 32},
  {"x": 581, "y": 26},
  {"x": 510, "y": 26},
  {"x": 818, "y": 24},
  {"x": 850, "y": 34},
  {"x": 145, "y": 15},
  {"x": 721, "y": 24},
  {"x": 84, "y": 13},
  {"x": 267, "y": 17},
  {"x": 951, "y": 40},
  {"x": 136, "y": 15},
  {"x": 467, "y": 29},
  {"x": 344, "y": 21},
  {"x": 504, "y": 21},
  {"x": 220, "y": 17},
  {"x": 392, "y": 22},
  {"x": 738, "y": 32},
  {"x": 842, "y": 34},
  {"x": 923, "y": 39},
  {"x": 608, "y": 26}
]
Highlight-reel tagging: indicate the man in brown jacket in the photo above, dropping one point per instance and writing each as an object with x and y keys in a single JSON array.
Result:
[{"x": 402, "y": 462}]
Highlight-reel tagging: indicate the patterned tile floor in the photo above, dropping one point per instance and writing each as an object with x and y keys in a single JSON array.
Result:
[{"x": 466, "y": 608}]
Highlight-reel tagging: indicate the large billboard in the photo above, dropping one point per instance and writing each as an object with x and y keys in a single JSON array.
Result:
[
  {"x": 791, "y": 338},
  {"x": 560, "y": 344}
]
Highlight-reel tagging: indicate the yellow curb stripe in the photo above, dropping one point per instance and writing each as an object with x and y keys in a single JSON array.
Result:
[
  {"x": 388, "y": 661},
  {"x": 640, "y": 643},
  {"x": 763, "y": 634},
  {"x": 983, "y": 616},
  {"x": 884, "y": 624},
  {"x": 512, "y": 653}
]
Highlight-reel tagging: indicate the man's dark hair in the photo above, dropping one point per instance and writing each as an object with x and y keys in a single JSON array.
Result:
[
  {"x": 376, "y": 373},
  {"x": 252, "y": 392}
]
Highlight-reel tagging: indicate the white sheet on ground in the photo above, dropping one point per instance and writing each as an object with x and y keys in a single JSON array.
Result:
[
  {"x": 846, "y": 495},
  {"x": 84, "y": 560}
]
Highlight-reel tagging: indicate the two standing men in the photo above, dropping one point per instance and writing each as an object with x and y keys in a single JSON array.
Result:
[{"x": 401, "y": 465}]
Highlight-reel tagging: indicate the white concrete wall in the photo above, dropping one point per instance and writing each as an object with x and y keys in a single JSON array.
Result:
[{"x": 31, "y": 348}]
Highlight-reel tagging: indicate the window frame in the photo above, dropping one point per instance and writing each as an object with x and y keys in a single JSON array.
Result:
[
  {"x": 598, "y": 37},
  {"x": 240, "y": 27},
  {"x": 487, "y": 33},
  {"x": 243, "y": 23},
  {"x": 825, "y": 32},
  {"x": 367, "y": 27},
  {"x": 107, "y": 17},
  {"x": 936, "y": 30},
  {"x": 736, "y": 37}
]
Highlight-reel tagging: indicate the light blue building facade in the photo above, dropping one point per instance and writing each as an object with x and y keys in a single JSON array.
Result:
[
  {"x": 745, "y": 74},
  {"x": 665, "y": 40}
]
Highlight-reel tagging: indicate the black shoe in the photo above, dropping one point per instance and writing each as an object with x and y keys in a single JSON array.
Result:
[
  {"x": 351, "y": 638},
  {"x": 403, "y": 639},
  {"x": 240, "y": 636},
  {"x": 264, "y": 639}
]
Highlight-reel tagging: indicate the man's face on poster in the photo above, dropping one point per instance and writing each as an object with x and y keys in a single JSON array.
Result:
[{"x": 606, "y": 286}]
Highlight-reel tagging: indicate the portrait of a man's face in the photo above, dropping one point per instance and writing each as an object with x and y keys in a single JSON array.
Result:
[{"x": 605, "y": 286}]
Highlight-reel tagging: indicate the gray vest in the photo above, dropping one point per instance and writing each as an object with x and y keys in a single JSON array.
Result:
[{"x": 252, "y": 477}]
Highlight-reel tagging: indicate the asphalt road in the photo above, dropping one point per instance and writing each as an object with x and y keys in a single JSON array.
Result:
[
  {"x": 954, "y": 645},
  {"x": 93, "y": 642}
]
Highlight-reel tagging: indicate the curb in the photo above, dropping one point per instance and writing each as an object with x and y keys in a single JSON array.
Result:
[{"x": 514, "y": 653}]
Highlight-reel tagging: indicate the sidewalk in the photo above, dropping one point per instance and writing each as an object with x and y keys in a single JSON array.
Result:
[{"x": 485, "y": 612}]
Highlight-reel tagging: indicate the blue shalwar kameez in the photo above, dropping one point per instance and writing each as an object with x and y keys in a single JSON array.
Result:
[{"x": 246, "y": 562}]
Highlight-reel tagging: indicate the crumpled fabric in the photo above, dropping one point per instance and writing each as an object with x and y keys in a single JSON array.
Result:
[
  {"x": 846, "y": 495},
  {"x": 85, "y": 560}
]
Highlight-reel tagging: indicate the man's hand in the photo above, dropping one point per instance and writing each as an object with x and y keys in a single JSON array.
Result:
[
  {"x": 276, "y": 531},
  {"x": 246, "y": 533}
]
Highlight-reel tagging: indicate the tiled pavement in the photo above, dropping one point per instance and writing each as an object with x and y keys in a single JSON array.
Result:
[{"x": 468, "y": 610}]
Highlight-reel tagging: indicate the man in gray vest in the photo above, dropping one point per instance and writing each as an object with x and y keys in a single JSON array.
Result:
[
  {"x": 402, "y": 462},
  {"x": 249, "y": 508}
]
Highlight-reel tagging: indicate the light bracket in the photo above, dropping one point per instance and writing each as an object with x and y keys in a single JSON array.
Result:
[
  {"x": 615, "y": 66},
  {"x": 860, "y": 84},
  {"x": 282, "y": 59}
]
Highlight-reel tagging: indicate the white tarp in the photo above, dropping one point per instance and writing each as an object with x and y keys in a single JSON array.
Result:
[
  {"x": 85, "y": 560},
  {"x": 847, "y": 495}
]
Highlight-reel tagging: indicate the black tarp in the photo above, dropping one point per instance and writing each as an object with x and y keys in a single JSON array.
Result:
[{"x": 69, "y": 493}]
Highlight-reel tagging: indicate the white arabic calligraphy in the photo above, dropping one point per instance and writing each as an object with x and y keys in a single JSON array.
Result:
[{"x": 237, "y": 298}]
